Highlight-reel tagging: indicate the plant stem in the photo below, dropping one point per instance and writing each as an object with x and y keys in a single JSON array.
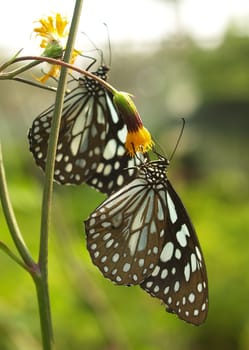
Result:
[
  {"x": 11, "y": 219},
  {"x": 13, "y": 256},
  {"x": 11, "y": 75},
  {"x": 42, "y": 282}
]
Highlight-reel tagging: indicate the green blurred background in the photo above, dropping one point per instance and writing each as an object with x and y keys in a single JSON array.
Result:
[{"x": 209, "y": 87}]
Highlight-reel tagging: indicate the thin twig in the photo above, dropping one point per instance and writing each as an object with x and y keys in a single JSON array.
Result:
[
  {"x": 10, "y": 75},
  {"x": 11, "y": 219}
]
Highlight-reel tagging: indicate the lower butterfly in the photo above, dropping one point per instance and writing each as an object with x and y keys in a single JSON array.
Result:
[
  {"x": 91, "y": 139},
  {"x": 142, "y": 235}
]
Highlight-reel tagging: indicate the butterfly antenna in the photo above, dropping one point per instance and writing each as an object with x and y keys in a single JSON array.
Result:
[
  {"x": 178, "y": 139},
  {"x": 100, "y": 52},
  {"x": 109, "y": 43}
]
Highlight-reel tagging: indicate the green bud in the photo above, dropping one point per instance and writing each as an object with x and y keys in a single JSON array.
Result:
[
  {"x": 53, "y": 50},
  {"x": 127, "y": 110}
]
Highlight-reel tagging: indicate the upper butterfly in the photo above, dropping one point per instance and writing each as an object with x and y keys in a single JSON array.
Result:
[
  {"x": 143, "y": 235},
  {"x": 91, "y": 139}
]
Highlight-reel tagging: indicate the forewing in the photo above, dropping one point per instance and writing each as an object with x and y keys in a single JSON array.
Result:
[
  {"x": 125, "y": 233},
  {"x": 90, "y": 145},
  {"x": 82, "y": 131},
  {"x": 180, "y": 278},
  {"x": 115, "y": 168}
]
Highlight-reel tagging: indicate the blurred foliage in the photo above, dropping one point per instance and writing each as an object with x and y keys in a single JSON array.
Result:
[{"x": 209, "y": 87}]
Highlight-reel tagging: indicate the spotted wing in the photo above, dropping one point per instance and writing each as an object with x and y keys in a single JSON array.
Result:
[
  {"x": 125, "y": 233},
  {"x": 180, "y": 277},
  {"x": 91, "y": 141}
]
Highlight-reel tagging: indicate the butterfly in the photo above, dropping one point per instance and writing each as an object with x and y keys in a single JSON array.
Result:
[
  {"x": 91, "y": 140},
  {"x": 142, "y": 235}
]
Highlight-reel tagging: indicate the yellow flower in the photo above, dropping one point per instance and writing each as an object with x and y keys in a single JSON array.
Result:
[
  {"x": 138, "y": 138},
  {"x": 138, "y": 141},
  {"x": 53, "y": 31}
]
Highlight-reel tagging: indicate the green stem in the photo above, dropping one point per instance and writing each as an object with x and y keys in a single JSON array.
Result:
[
  {"x": 7, "y": 250},
  {"x": 11, "y": 219},
  {"x": 42, "y": 283},
  {"x": 19, "y": 70}
]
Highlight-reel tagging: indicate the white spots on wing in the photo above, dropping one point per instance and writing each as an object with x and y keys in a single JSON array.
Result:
[
  {"x": 134, "y": 277},
  {"x": 160, "y": 209},
  {"x": 172, "y": 209},
  {"x": 133, "y": 243},
  {"x": 199, "y": 287},
  {"x": 107, "y": 236},
  {"x": 176, "y": 286},
  {"x": 191, "y": 298},
  {"x": 153, "y": 228},
  {"x": 93, "y": 246},
  {"x": 69, "y": 167},
  {"x": 193, "y": 262},
  {"x": 149, "y": 284},
  {"x": 109, "y": 243},
  {"x": 173, "y": 270},
  {"x": 178, "y": 254},
  {"x": 126, "y": 267},
  {"x": 164, "y": 274},
  {"x": 120, "y": 150},
  {"x": 109, "y": 149},
  {"x": 166, "y": 290},
  {"x": 187, "y": 272},
  {"x": 156, "y": 289},
  {"x": 59, "y": 157},
  {"x": 112, "y": 109},
  {"x": 196, "y": 312},
  {"x": 156, "y": 271},
  {"x": 143, "y": 239},
  {"x": 141, "y": 262},
  {"x": 97, "y": 151},
  {"x": 116, "y": 165},
  {"x": 100, "y": 168},
  {"x": 106, "y": 268},
  {"x": 155, "y": 250},
  {"x": 94, "y": 181},
  {"x": 92, "y": 221},
  {"x": 120, "y": 180},
  {"x": 118, "y": 279},
  {"x": 122, "y": 134},
  {"x": 107, "y": 170},
  {"x": 96, "y": 254},
  {"x": 103, "y": 259},
  {"x": 115, "y": 257},
  {"x": 198, "y": 253},
  {"x": 77, "y": 177},
  {"x": 167, "y": 252},
  {"x": 75, "y": 145},
  {"x": 203, "y": 307},
  {"x": 182, "y": 234}
]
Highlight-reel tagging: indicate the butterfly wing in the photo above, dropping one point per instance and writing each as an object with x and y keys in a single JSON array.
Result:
[
  {"x": 180, "y": 277},
  {"x": 124, "y": 237},
  {"x": 91, "y": 139},
  {"x": 78, "y": 134}
]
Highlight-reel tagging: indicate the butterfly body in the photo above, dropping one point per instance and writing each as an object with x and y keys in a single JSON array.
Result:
[{"x": 142, "y": 234}]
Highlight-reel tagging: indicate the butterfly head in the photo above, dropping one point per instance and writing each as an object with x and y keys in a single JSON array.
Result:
[
  {"x": 102, "y": 72},
  {"x": 155, "y": 171}
]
